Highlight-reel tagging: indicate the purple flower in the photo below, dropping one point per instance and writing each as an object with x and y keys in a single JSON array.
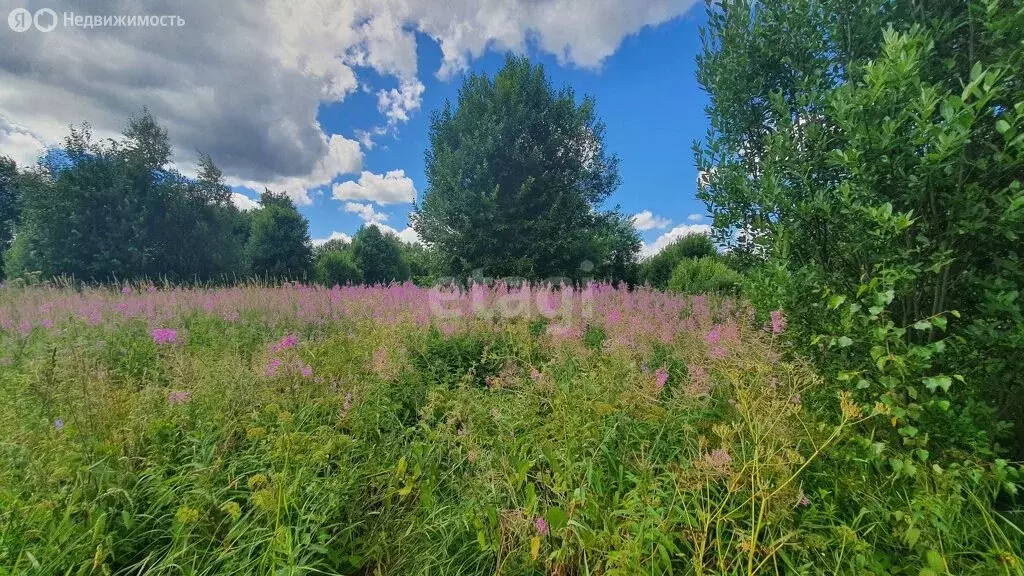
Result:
[
  {"x": 178, "y": 397},
  {"x": 804, "y": 501},
  {"x": 660, "y": 378},
  {"x": 778, "y": 322},
  {"x": 285, "y": 343},
  {"x": 306, "y": 371},
  {"x": 164, "y": 335},
  {"x": 542, "y": 526},
  {"x": 58, "y": 424},
  {"x": 126, "y": 290},
  {"x": 272, "y": 368}
]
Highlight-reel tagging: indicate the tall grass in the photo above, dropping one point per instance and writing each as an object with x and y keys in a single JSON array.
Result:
[{"x": 299, "y": 430}]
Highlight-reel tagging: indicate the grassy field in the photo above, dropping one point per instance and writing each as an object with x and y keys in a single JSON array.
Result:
[{"x": 400, "y": 430}]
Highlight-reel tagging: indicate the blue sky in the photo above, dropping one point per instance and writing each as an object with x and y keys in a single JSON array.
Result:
[
  {"x": 646, "y": 93},
  {"x": 329, "y": 101}
]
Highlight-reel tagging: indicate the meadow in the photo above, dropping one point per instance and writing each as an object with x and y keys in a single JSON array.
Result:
[{"x": 406, "y": 430}]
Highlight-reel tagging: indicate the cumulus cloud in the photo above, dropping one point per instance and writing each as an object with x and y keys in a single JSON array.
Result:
[
  {"x": 659, "y": 244},
  {"x": 243, "y": 80},
  {"x": 646, "y": 220},
  {"x": 391, "y": 188},
  {"x": 366, "y": 212},
  {"x": 695, "y": 217},
  {"x": 243, "y": 202},
  {"x": 334, "y": 236},
  {"x": 19, "y": 143},
  {"x": 407, "y": 235},
  {"x": 398, "y": 104}
]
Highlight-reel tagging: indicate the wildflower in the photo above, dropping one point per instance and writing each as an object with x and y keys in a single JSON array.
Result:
[
  {"x": 58, "y": 424},
  {"x": 273, "y": 367},
  {"x": 126, "y": 290},
  {"x": 25, "y": 328},
  {"x": 804, "y": 501},
  {"x": 534, "y": 374},
  {"x": 285, "y": 343},
  {"x": 186, "y": 515},
  {"x": 542, "y": 526},
  {"x": 164, "y": 335},
  {"x": 796, "y": 399},
  {"x": 778, "y": 321},
  {"x": 306, "y": 371},
  {"x": 660, "y": 378},
  {"x": 178, "y": 397},
  {"x": 718, "y": 461},
  {"x": 698, "y": 384}
]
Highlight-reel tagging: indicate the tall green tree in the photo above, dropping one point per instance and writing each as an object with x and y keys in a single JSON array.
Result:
[
  {"x": 8, "y": 205},
  {"x": 114, "y": 210},
  {"x": 871, "y": 153},
  {"x": 379, "y": 256},
  {"x": 516, "y": 173},
  {"x": 658, "y": 269},
  {"x": 279, "y": 245}
]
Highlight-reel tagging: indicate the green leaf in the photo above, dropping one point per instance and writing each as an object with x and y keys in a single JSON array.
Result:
[
  {"x": 923, "y": 325},
  {"x": 1002, "y": 126},
  {"x": 939, "y": 322},
  {"x": 933, "y": 382},
  {"x": 912, "y": 535},
  {"x": 844, "y": 341},
  {"x": 935, "y": 561},
  {"x": 557, "y": 519},
  {"x": 836, "y": 301}
]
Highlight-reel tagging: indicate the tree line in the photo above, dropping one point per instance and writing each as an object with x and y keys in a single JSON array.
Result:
[{"x": 518, "y": 175}]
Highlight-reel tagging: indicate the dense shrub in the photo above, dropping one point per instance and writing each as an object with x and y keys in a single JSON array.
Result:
[
  {"x": 874, "y": 163},
  {"x": 657, "y": 270},
  {"x": 703, "y": 275},
  {"x": 336, "y": 268}
]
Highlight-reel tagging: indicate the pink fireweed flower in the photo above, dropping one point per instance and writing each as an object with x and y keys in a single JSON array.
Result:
[
  {"x": 698, "y": 383},
  {"x": 306, "y": 371},
  {"x": 25, "y": 328},
  {"x": 285, "y": 343},
  {"x": 660, "y": 378},
  {"x": 272, "y": 368},
  {"x": 542, "y": 526},
  {"x": 126, "y": 290},
  {"x": 778, "y": 321},
  {"x": 164, "y": 335},
  {"x": 178, "y": 397}
]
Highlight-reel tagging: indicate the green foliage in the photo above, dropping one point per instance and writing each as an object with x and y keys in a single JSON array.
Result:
[
  {"x": 516, "y": 173},
  {"x": 657, "y": 270},
  {"x": 8, "y": 205},
  {"x": 703, "y": 275},
  {"x": 336, "y": 268},
  {"x": 279, "y": 245},
  {"x": 111, "y": 211},
  {"x": 870, "y": 161},
  {"x": 379, "y": 256},
  {"x": 410, "y": 450}
]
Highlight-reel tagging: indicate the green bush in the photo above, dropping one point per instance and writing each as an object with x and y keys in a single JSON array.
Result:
[
  {"x": 703, "y": 275},
  {"x": 336, "y": 268},
  {"x": 657, "y": 270}
]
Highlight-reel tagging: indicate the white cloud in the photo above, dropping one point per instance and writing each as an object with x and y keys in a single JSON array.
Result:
[
  {"x": 243, "y": 202},
  {"x": 659, "y": 244},
  {"x": 391, "y": 188},
  {"x": 244, "y": 80},
  {"x": 398, "y": 104},
  {"x": 407, "y": 235},
  {"x": 343, "y": 157},
  {"x": 19, "y": 143},
  {"x": 366, "y": 212},
  {"x": 646, "y": 220},
  {"x": 334, "y": 236},
  {"x": 695, "y": 217}
]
